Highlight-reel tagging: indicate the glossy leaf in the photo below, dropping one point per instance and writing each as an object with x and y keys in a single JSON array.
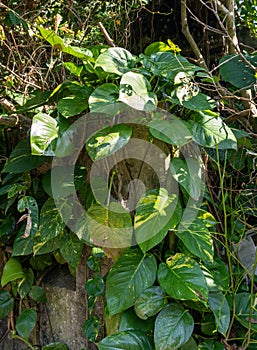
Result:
[
  {"x": 37, "y": 293},
  {"x": 71, "y": 248},
  {"x": 197, "y": 238},
  {"x": 237, "y": 72},
  {"x": 135, "y": 92},
  {"x": 246, "y": 312},
  {"x": 130, "y": 321},
  {"x": 183, "y": 279},
  {"x": 108, "y": 141},
  {"x": 131, "y": 274},
  {"x": 209, "y": 131},
  {"x": 23, "y": 245},
  {"x": 126, "y": 340},
  {"x": 104, "y": 98},
  {"x": 172, "y": 131},
  {"x": 173, "y": 327},
  {"x": 95, "y": 286},
  {"x": 45, "y": 247},
  {"x": 220, "y": 308},
  {"x": 157, "y": 47},
  {"x": 6, "y": 303},
  {"x": 72, "y": 105},
  {"x": 91, "y": 328},
  {"x": 168, "y": 65},
  {"x": 150, "y": 302},
  {"x": 51, "y": 223},
  {"x": 188, "y": 173},
  {"x": 44, "y": 130},
  {"x": 156, "y": 212},
  {"x": 26, "y": 322},
  {"x": 58, "y": 44},
  {"x": 12, "y": 271},
  {"x": 26, "y": 283},
  {"x": 22, "y": 160},
  {"x": 115, "y": 60},
  {"x": 110, "y": 226},
  {"x": 200, "y": 102}
]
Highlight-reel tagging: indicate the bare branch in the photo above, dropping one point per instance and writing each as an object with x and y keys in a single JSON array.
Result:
[
  {"x": 106, "y": 35},
  {"x": 190, "y": 39}
]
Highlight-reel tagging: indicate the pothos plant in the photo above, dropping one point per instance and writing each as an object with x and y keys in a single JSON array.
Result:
[{"x": 175, "y": 288}]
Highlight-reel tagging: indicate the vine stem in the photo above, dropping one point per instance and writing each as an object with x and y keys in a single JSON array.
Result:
[{"x": 15, "y": 336}]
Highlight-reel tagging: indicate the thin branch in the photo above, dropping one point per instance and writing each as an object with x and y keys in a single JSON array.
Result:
[
  {"x": 189, "y": 37},
  {"x": 13, "y": 119},
  {"x": 106, "y": 35}
]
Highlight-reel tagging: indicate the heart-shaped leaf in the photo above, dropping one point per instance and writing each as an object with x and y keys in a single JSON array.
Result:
[
  {"x": 173, "y": 327},
  {"x": 132, "y": 273},
  {"x": 183, "y": 279}
]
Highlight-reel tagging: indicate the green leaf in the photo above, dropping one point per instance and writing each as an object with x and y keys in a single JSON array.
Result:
[
  {"x": 200, "y": 102},
  {"x": 190, "y": 345},
  {"x": 210, "y": 131},
  {"x": 26, "y": 322},
  {"x": 72, "y": 105},
  {"x": 44, "y": 130},
  {"x": 37, "y": 293},
  {"x": 7, "y": 228},
  {"x": 216, "y": 275},
  {"x": 135, "y": 92},
  {"x": 158, "y": 46},
  {"x": 21, "y": 159},
  {"x": 183, "y": 279},
  {"x": 156, "y": 212},
  {"x": 246, "y": 312},
  {"x": 71, "y": 248},
  {"x": 173, "y": 327},
  {"x": 95, "y": 286},
  {"x": 197, "y": 238},
  {"x": 108, "y": 141},
  {"x": 45, "y": 247},
  {"x": 51, "y": 223},
  {"x": 74, "y": 68},
  {"x": 150, "y": 302},
  {"x": 168, "y": 65},
  {"x": 59, "y": 44},
  {"x": 188, "y": 174},
  {"x": 115, "y": 60},
  {"x": 131, "y": 274},
  {"x": 237, "y": 72},
  {"x": 211, "y": 345},
  {"x": 172, "y": 131},
  {"x": 55, "y": 346},
  {"x": 57, "y": 177},
  {"x": 130, "y": 321},
  {"x": 220, "y": 308},
  {"x": 127, "y": 340},
  {"x": 26, "y": 283},
  {"x": 23, "y": 245},
  {"x": 110, "y": 226},
  {"x": 30, "y": 204},
  {"x": 104, "y": 99},
  {"x": 6, "y": 303},
  {"x": 91, "y": 328},
  {"x": 12, "y": 271}
]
